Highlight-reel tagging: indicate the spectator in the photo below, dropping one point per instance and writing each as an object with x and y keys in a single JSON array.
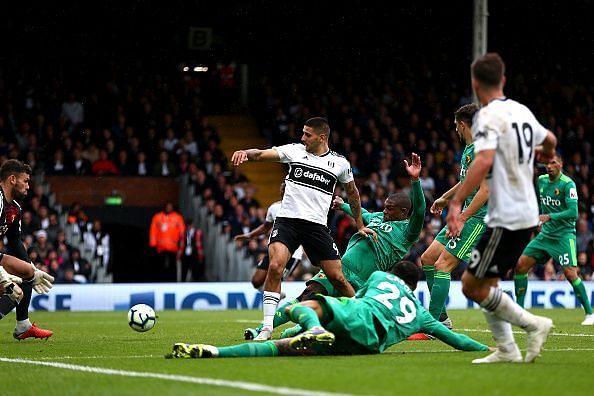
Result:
[
  {"x": 583, "y": 236},
  {"x": 98, "y": 242},
  {"x": 104, "y": 166},
  {"x": 164, "y": 167},
  {"x": 193, "y": 253},
  {"x": 167, "y": 238}
]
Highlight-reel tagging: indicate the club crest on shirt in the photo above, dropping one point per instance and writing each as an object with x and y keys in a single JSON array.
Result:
[
  {"x": 468, "y": 160},
  {"x": 557, "y": 192}
]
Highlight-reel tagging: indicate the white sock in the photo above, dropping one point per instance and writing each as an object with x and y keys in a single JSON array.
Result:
[
  {"x": 23, "y": 325},
  {"x": 270, "y": 304},
  {"x": 501, "y": 331},
  {"x": 503, "y": 307}
]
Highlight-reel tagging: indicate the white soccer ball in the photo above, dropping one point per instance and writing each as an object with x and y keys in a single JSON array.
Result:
[{"x": 141, "y": 317}]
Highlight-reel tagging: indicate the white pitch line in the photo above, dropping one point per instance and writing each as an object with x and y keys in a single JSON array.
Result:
[
  {"x": 396, "y": 352},
  {"x": 523, "y": 332},
  {"x": 249, "y": 386}
]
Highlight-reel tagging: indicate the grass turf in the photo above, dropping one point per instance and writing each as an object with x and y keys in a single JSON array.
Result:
[{"x": 104, "y": 340}]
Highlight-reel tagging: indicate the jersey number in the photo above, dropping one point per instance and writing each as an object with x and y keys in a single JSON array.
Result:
[
  {"x": 524, "y": 141},
  {"x": 409, "y": 311}
]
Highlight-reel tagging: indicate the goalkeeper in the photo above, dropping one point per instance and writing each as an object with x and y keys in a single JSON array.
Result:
[
  {"x": 384, "y": 312},
  {"x": 18, "y": 277},
  {"x": 396, "y": 233}
]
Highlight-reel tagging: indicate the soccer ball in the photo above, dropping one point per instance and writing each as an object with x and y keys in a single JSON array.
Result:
[{"x": 141, "y": 317}]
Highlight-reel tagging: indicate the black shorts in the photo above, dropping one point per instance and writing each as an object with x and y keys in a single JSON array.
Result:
[
  {"x": 498, "y": 251},
  {"x": 289, "y": 268},
  {"x": 315, "y": 238}
]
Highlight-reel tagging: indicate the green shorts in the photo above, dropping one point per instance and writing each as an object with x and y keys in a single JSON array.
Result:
[
  {"x": 353, "y": 324},
  {"x": 462, "y": 246},
  {"x": 323, "y": 280},
  {"x": 561, "y": 249}
]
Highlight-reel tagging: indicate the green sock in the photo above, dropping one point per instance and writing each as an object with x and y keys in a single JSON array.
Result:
[
  {"x": 429, "y": 271},
  {"x": 439, "y": 293},
  {"x": 280, "y": 317},
  {"x": 521, "y": 285},
  {"x": 304, "y": 316},
  {"x": 582, "y": 295},
  {"x": 249, "y": 349}
]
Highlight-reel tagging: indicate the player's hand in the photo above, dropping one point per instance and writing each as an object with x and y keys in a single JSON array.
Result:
[
  {"x": 336, "y": 202},
  {"x": 365, "y": 232},
  {"x": 544, "y": 218},
  {"x": 455, "y": 224},
  {"x": 241, "y": 238},
  {"x": 438, "y": 205},
  {"x": 414, "y": 169},
  {"x": 239, "y": 157},
  {"x": 542, "y": 156},
  {"x": 42, "y": 281}
]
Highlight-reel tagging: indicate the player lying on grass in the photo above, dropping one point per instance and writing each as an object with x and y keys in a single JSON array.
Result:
[
  {"x": 384, "y": 312},
  {"x": 16, "y": 290},
  {"x": 396, "y": 233}
]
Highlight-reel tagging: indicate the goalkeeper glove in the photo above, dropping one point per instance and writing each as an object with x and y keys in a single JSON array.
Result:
[{"x": 42, "y": 281}]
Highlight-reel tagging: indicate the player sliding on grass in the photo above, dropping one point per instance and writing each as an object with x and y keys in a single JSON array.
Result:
[
  {"x": 558, "y": 200},
  {"x": 384, "y": 312},
  {"x": 396, "y": 233},
  {"x": 16, "y": 290}
]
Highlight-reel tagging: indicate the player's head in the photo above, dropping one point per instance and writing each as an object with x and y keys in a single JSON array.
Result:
[
  {"x": 316, "y": 133},
  {"x": 488, "y": 74},
  {"x": 15, "y": 177},
  {"x": 397, "y": 206},
  {"x": 463, "y": 120},
  {"x": 408, "y": 272},
  {"x": 554, "y": 166}
]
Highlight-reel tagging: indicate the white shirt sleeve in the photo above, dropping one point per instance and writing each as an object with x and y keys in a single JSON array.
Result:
[
  {"x": 346, "y": 175},
  {"x": 485, "y": 131},
  {"x": 287, "y": 152},
  {"x": 540, "y": 133}
]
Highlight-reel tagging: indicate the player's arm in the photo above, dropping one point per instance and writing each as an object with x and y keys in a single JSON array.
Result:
[
  {"x": 481, "y": 197},
  {"x": 443, "y": 201},
  {"x": 355, "y": 203},
  {"x": 474, "y": 177},
  {"x": 241, "y": 156},
  {"x": 546, "y": 150},
  {"x": 15, "y": 245},
  {"x": 339, "y": 204},
  {"x": 262, "y": 229},
  {"x": 417, "y": 197},
  {"x": 456, "y": 340}
]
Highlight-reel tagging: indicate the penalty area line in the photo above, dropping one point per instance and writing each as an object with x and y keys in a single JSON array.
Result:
[{"x": 248, "y": 386}]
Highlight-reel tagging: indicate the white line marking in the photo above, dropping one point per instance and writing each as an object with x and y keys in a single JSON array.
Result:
[
  {"x": 523, "y": 332},
  {"x": 396, "y": 352},
  {"x": 249, "y": 386}
]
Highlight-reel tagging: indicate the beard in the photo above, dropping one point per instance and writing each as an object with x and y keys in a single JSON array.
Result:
[{"x": 17, "y": 195}]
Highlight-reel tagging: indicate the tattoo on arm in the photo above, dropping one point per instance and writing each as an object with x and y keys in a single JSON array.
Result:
[{"x": 354, "y": 202}]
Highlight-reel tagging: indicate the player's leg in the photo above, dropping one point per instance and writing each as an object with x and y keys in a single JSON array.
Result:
[
  {"x": 24, "y": 328},
  {"x": 309, "y": 314},
  {"x": 564, "y": 252},
  {"x": 430, "y": 256},
  {"x": 496, "y": 253},
  {"x": 10, "y": 293},
  {"x": 322, "y": 250},
  {"x": 279, "y": 255},
  {"x": 521, "y": 277},
  {"x": 444, "y": 266}
]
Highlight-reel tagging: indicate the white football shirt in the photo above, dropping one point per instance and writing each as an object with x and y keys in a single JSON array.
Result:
[
  {"x": 309, "y": 185},
  {"x": 511, "y": 129},
  {"x": 271, "y": 216}
]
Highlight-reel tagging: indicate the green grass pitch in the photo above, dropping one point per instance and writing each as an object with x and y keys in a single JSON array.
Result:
[{"x": 98, "y": 354}]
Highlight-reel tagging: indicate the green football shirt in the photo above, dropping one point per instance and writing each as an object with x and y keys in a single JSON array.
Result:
[
  {"x": 467, "y": 158},
  {"x": 559, "y": 199}
]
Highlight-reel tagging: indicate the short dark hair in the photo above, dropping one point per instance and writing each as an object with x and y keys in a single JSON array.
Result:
[
  {"x": 319, "y": 125},
  {"x": 13, "y": 167},
  {"x": 408, "y": 272},
  {"x": 400, "y": 199},
  {"x": 488, "y": 69},
  {"x": 466, "y": 113}
]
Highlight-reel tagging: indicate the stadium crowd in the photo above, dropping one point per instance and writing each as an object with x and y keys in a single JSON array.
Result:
[{"x": 127, "y": 122}]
